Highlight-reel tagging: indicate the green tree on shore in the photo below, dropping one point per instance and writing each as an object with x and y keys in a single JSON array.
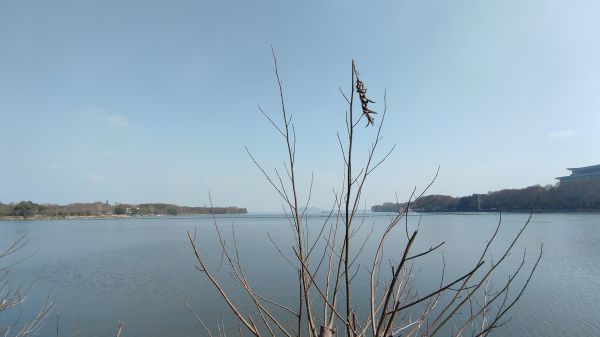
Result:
[{"x": 26, "y": 209}]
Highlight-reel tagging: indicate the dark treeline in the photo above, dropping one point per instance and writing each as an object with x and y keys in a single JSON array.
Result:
[
  {"x": 169, "y": 209},
  {"x": 577, "y": 195},
  {"x": 28, "y": 209}
]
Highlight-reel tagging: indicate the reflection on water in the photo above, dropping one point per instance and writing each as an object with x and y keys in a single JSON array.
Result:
[{"x": 138, "y": 270}]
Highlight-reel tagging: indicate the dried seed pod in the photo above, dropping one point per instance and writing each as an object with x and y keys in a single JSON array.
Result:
[{"x": 364, "y": 100}]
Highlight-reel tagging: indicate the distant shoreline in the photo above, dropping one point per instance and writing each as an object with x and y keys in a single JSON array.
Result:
[
  {"x": 27, "y": 210},
  {"x": 106, "y": 217},
  {"x": 496, "y": 211},
  {"x": 73, "y": 217},
  {"x": 519, "y": 211},
  {"x": 270, "y": 215}
]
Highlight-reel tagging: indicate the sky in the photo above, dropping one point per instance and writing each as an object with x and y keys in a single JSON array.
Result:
[{"x": 155, "y": 101}]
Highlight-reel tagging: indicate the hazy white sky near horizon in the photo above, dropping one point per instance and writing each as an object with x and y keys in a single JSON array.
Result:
[{"x": 154, "y": 101}]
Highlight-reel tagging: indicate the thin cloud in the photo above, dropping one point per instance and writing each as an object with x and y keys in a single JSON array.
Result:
[
  {"x": 561, "y": 134},
  {"x": 95, "y": 178},
  {"x": 105, "y": 116},
  {"x": 55, "y": 166},
  {"x": 115, "y": 120}
]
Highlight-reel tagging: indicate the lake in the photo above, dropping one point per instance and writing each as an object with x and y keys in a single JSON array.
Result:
[{"x": 138, "y": 270}]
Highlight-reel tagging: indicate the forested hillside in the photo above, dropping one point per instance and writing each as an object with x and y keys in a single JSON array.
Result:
[
  {"x": 28, "y": 209},
  {"x": 583, "y": 194}
]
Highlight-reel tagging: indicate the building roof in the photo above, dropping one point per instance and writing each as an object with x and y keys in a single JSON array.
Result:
[
  {"x": 585, "y": 172},
  {"x": 585, "y": 168}
]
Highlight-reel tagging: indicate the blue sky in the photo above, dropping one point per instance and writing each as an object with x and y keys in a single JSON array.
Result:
[{"x": 154, "y": 101}]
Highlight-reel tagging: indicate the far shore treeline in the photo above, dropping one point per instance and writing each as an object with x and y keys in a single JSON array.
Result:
[
  {"x": 28, "y": 209},
  {"x": 579, "y": 195}
]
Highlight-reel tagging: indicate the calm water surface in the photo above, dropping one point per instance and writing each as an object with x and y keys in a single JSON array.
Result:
[{"x": 138, "y": 270}]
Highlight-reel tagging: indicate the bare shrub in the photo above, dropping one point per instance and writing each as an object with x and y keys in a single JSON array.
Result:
[
  {"x": 12, "y": 297},
  {"x": 470, "y": 304}
]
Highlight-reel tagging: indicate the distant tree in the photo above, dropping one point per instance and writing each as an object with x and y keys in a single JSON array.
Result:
[
  {"x": 5, "y": 210},
  {"x": 581, "y": 194},
  {"x": 26, "y": 209},
  {"x": 120, "y": 209},
  {"x": 171, "y": 210}
]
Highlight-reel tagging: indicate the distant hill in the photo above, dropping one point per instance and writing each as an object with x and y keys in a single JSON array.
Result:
[
  {"x": 311, "y": 210},
  {"x": 574, "y": 195},
  {"x": 28, "y": 209},
  {"x": 169, "y": 209}
]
